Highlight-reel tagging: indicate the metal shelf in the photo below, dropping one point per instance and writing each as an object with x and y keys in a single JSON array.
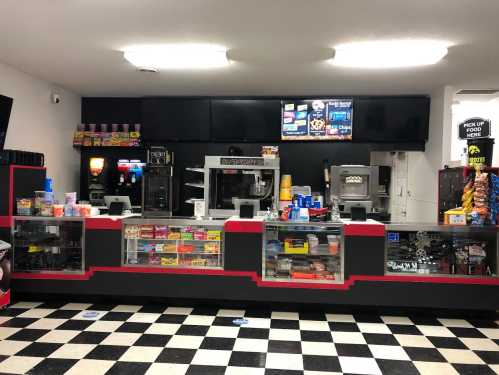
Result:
[
  {"x": 167, "y": 253},
  {"x": 169, "y": 240},
  {"x": 198, "y": 170},
  {"x": 199, "y": 185}
]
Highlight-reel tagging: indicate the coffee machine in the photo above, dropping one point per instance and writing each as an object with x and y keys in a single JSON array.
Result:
[
  {"x": 98, "y": 171},
  {"x": 157, "y": 197},
  {"x": 360, "y": 186}
]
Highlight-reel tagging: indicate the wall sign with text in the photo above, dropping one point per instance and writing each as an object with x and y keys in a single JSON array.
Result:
[{"x": 475, "y": 127}]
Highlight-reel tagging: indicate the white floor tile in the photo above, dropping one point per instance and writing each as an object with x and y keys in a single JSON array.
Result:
[
  {"x": 11, "y": 347},
  {"x": 389, "y": 352},
  {"x": 348, "y": 338},
  {"x": 89, "y": 315},
  {"x": 284, "y": 334},
  {"x": 222, "y": 331},
  {"x": 416, "y": 341},
  {"x": 455, "y": 323},
  {"x": 318, "y": 348},
  {"x": 284, "y": 361},
  {"x": 373, "y": 328},
  {"x": 358, "y": 365},
  {"x": 435, "y": 331},
  {"x": 73, "y": 351},
  {"x": 45, "y": 323},
  {"x": 211, "y": 357},
  {"x": 4, "y": 319},
  {"x": 343, "y": 318},
  {"x": 234, "y": 370},
  {"x": 480, "y": 344},
  {"x": 143, "y": 318},
  {"x": 141, "y": 354},
  {"x": 104, "y": 326},
  {"x": 388, "y": 319},
  {"x": 287, "y": 315},
  {"x": 76, "y": 306},
  {"x": 90, "y": 367},
  {"x": 121, "y": 339},
  {"x": 25, "y": 305},
  {"x": 19, "y": 365},
  {"x": 314, "y": 325},
  {"x": 491, "y": 333},
  {"x": 199, "y": 320},
  {"x": 461, "y": 356},
  {"x": 178, "y": 310},
  {"x": 185, "y": 342},
  {"x": 251, "y": 345},
  {"x": 435, "y": 368},
  {"x": 231, "y": 313},
  {"x": 257, "y": 323},
  {"x": 127, "y": 308},
  {"x": 495, "y": 368},
  {"x": 59, "y": 336},
  {"x": 36, "y": 313},
  {"x": 163, "y": 329},
  {"x": 167, "y": 369},
  {"x": 5, "y": 332}
]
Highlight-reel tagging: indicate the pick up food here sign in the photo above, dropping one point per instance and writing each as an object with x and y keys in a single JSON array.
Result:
[{"x": 475, "y": 127}]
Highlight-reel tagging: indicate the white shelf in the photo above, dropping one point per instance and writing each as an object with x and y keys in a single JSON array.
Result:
[
  {"x": 199, "y": 185},
  {"x": 198, "y": 170}
]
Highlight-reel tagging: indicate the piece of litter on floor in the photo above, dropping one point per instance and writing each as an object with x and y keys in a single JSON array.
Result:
[
  {"x": 239, "y": 322},
  {"x": 90, "y": 314}
]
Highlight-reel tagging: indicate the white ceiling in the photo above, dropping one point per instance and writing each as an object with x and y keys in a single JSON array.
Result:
[{"x": 278, "y": 46}]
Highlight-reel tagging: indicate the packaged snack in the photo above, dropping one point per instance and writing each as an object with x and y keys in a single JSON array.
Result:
[
  {"x": 211, "y": 247},
  {"x": 213, "y": 235},
  {"x": 183, "y": 248},
  {"x": 187, "y": 236},
  {"x": 160, "y": 232},
  {"x": 132, "y": 231},
  {"x": 174, "y": 233},
  {"x": 295, "y": 246},
  {"x": 199, "y": 235},
  {"x": 170, "y": 247},
  {"x": 169, "y": 261},
  {"x": 147, "y": 231}
]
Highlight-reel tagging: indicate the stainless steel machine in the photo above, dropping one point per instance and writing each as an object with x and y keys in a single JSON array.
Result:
[
  {"x": 157, "y": 198},
  {"x": 360, "y": 186},
  {"x": 230, "y": 181}
]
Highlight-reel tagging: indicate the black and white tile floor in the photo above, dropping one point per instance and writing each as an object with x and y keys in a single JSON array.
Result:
[{"x": 64, "y": 338}]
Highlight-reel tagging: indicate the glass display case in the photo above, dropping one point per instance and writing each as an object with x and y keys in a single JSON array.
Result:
[
  {"x": 303, "y": 252},
  {"x": 48, "y": 244},
  {"x": 441, "y": 250},
  {"x": 180, "y": 243}
]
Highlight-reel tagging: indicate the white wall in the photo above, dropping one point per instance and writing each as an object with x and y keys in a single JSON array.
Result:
[
  {"x": 488, "y": 109},
  {"x": 40, "y": 126}
]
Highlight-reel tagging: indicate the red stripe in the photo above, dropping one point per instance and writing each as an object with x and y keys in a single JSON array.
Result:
[
  {"x": 5, "y": 299},
  {"x": 368, "y": 230},
  {"x": 5, "y": 221},
  {"x": 102, "y": 223},
  {"x": 238, "y": 226}
]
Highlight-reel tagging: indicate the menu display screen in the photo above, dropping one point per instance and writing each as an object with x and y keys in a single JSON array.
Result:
[{"x": 317, "y": 120}]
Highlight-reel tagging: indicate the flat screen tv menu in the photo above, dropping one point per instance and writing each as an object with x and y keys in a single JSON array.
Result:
[{"x": 317, "y": 120}]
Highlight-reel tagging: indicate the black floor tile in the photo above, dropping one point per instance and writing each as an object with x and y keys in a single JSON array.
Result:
[
  {"x": 205, "y": 310},
  {"x": 152, "y": 340},
  {"x": 225, "y": 321},
  {"x": 107, "y": 352},
  {"x": 192, "y": 330},
  {"x": 247, "y": 359},
  {"x": 3, "y": 358},
  {"x": 312, "y": 315},
  {"x": 62, "y": 314},
  {"x": 52, "y": 366},
  {"x": 75, "y": 325},
  {"x": 353, "y": 350},
  {"x": 89, "y": 337},
  {"x": 19, "y": 322},
  {"x": 51, "y": 305},
  {"x": 282, "y": 372},
  {"x": 28, "y": 334},
  {"x": 320, "y": 336},
  {"x": 12, "y": 312},
  {"x": 218, "y": 343},
  {"x": 174, "y": 355},
  {"x": 489, "y": 357},
  {"x": 424, "y": 354},
  {"x": 343, "y": 327},
  {"x": 380, "y": 339},
  {"x": 128, "y": 368},
  {"x": 253, "y": 333},
  {"x": 116, "y": 316},
  {"x": 205, "y": 370},
  {"x": 101, "y": 307},
  {"x": 39, "y": 349},
  {"x": 446, "y": 342},
  {"x": 153, "y": 308},
  {"x": 321, "y": 363},
  {"x": 465, "y": 369},
  {"x": 285, "y": 324},
  {"x": 171, "y": 318},
  {"x": 257, "y": 313},
  {"x": 423, "y": 320},
  {"x": 402, "y": 329},
  {"x": 133, "y": 327},
  {"x": 278, "y": 346},
  {"x": 367, "y": 318},
  {"x": 483, "y": 323},
  {"x": 393, "y": 367},
  {"x": 466, "y": 332}
]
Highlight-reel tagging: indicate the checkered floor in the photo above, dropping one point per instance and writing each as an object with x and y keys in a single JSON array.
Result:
[{"x": 74, "y": 338}]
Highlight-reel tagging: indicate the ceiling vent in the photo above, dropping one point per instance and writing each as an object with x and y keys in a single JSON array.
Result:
[{"x": 478, "y": 92}]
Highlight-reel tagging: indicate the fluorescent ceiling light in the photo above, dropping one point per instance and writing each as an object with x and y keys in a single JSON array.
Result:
[
  {"x": 389, "y": 53},
  {"x": 177, "y": 56}
]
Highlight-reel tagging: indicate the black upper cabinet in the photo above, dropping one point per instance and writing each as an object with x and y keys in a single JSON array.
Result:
[
  {"x": 245, "y": 120},
  {"x": 111, "y": 111},
  {"x": 391, "y": 119},
  {"x": 175, "y": 119}
]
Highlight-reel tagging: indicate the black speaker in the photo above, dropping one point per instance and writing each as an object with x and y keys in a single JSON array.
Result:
[{"x": 246, "y": 211}]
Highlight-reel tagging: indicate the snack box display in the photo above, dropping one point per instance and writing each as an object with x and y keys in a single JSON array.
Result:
[
  {"x": 154, "y": 259},
  {"x": 146, "y": 247},
  {"x": 166, "y": 261},
  {"x": 161, "y": 232},
  {"x": 213, "y": 235},
  {"x": 200, "y": 262},
  {"x": 187, "y": 236},
  {"x": 159, "y": 248},
  {"x": 174, "y": 234},
  {"x": 199, "y": 235},
  {"x": 185, "y": 248},
  {"x": 185, "y": 262},
  {"x": 132, "y": 231},
  {"x": 295, "y": 246},
  {"x": 170, "y": 248},
  {"x": 147, "y": 231},
  {"x": 211, "y": 247}
]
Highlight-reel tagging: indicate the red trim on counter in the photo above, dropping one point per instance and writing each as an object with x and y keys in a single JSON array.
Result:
[
  {"x": 240, "y": 226},
  {"x": 5, "y": 299},
  {"x": 103, "y": 223},
  {"x": 368, "y": 230},
  {"x": 5, "y": 221}
]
